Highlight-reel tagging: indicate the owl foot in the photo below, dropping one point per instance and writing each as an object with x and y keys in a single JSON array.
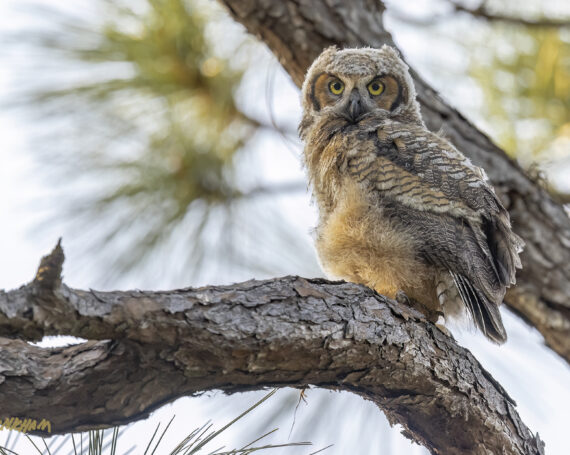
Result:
[
  {"x": 444, "y": 330},
  {"x": 402, "y": 298},
  {"x": 430, "y": 314}
]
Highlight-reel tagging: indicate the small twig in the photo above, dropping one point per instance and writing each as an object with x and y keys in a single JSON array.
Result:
[
  {"x": 273, "y": 189},
  {"x": 482, "y": 12}
]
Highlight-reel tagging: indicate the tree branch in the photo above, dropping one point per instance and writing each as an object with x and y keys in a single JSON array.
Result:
[
  {"x": 157, "y": 346},
  {"x": 276, "y": 188},
  {"x": 297, "y": 31},
  {"x": 482, "y": 12}
]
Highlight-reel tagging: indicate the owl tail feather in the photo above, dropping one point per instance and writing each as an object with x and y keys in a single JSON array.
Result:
[
  {"x": 484, "y": 312},
  {"x": 505, "y": 247}
]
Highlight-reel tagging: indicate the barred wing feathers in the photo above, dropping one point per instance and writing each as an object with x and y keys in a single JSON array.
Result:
[{"x": 426, "y": 184}]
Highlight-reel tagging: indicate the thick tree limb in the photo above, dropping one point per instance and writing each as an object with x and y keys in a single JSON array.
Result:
[
  {"x": 156, "y": 346},
  {"x": 296, "y": 31}
]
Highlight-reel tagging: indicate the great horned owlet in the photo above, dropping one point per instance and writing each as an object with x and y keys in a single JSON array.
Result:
[{"x": 400, "y": 208}]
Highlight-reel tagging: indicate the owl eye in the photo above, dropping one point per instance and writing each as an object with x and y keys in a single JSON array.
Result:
[
  {"x": 375, "y": 88},
  {"x": 336, "y": 87}
]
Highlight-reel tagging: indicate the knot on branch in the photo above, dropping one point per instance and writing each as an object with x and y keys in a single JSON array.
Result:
[{"x": 48, "y": 276}]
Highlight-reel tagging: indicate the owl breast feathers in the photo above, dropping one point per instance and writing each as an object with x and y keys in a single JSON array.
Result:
[{"x": 400, "y": 209}]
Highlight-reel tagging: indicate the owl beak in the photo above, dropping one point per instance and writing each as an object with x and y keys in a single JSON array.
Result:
[{"x": 355, "y": 107}]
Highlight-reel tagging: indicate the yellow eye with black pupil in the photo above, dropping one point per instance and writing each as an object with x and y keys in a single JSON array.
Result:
[
  {"x": 336, "y": 87},
  {"x": 375, "y": 88}
]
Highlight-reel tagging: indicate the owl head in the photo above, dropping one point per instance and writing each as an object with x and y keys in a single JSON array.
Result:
[{"x": 351, "y": 85}]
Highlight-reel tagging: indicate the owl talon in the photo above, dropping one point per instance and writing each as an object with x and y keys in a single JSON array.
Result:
[
  {"x": 444, "y": 330},
  {"x": 402, "y": 298}
]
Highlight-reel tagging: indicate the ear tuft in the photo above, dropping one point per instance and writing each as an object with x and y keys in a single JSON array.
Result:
[
  {"x": 330, "y": 50},
  {"x": 389, "y": 50},
  {"x": 327, "y": 54}
]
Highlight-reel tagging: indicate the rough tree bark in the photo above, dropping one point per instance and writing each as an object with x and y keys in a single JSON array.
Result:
[
  {"x": 297, "y": 31},
  {"x": 157, "y": 346}
]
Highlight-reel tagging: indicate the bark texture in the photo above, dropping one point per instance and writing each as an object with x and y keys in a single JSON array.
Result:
[
  {"x": 297, "y": 31},
  {"x": 148, "y": 348}
]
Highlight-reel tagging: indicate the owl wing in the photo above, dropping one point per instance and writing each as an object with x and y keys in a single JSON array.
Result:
[{"x": 425, "y": 184}]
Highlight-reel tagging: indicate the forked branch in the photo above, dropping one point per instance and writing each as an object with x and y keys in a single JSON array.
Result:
[{"x": 149, "y": 348}]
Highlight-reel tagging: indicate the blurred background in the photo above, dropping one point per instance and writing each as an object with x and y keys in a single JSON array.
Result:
[{"x": 159, "y": 140}]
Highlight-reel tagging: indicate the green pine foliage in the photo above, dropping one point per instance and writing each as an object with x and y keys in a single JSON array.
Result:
[
  {"x": 136, "y": 117},
  {"x": 526, "y": 84}
]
